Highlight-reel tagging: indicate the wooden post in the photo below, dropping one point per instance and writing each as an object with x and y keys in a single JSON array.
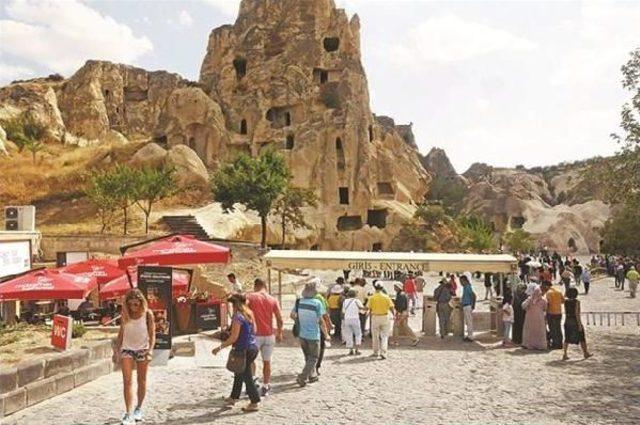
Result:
[
  {"x": 502, "y": 285},
  {"x": 280, "y": 287},
  {"x": 269, "y": 279}
]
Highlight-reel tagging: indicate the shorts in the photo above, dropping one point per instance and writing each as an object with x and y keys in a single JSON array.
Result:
[
  {"x": 266, "y": 344},
  {"x": 137, "y": 355}
]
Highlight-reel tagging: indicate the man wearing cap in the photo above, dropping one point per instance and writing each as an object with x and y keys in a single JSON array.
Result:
[
  {"x": 379, "y": 305},
  {"x": 442, "y": 296},
  {"x": 401, "y": 319},
  {"x": 309, "y": 312},
  {"x": 468, "y": 304},
  {"x": 334, "y": 301}
]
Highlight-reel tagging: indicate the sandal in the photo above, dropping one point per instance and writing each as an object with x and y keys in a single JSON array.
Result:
[
  {"x": 230, "y": 401},
  {"x": 251, "y": 408}
]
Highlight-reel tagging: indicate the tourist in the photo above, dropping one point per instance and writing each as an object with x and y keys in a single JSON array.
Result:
[
  {"x": 507, "y": 320},
  {"x": 555, "y": 300},
  {"x": 468, "y": 302},
  {"x": 566, "y": 277},
  {"x": 401, "y": 318},
  {"x": 243, "y": 340},
  {"x": 334, "y": 302},
  {"x": 573, "y": 328},
  {"x": 380, "y": 305},
  {"x": 442, "y": 296},
  {"x": 633, "y": 277},
  {"x": 134, "y": 348},
  {"x": 361, "y": 295},
  {"x": 265, "y": 308},
  {"x": 351, "y": 309},
  {"x": 412, "y": 294},
  {"x": 586, "y": 279},
  {"x": 453, "y": 286},
  {"x": 488, "y": 293},
  {"x": 236, "y": 286},
  {"x": 534, "y": 332},
  {"x": 309, "y": 314},
  {"x": 620, "y": 276},
  {"x": 324, "y": 338},
  {"x": 577, "y": 270}
]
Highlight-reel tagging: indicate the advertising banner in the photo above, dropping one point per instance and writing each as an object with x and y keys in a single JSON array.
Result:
[
  {"x": 15, "y": 257},
  {"x": 207, "y": 316},
  {"x": 155, "y": 284},
  {"x": 61, "y": 332}
]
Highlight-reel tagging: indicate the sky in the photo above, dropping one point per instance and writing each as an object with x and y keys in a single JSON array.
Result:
[{"x": 500, "y": 82}]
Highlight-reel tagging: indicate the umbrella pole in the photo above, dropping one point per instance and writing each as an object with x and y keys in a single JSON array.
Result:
[
  {"x": 269, "y": 279},
  {"x": 129, "y": 279}
]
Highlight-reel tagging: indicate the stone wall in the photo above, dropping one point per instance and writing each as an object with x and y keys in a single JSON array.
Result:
[
  {"x": 108, "y": 244},
  {"x": 32, "y": 381}
]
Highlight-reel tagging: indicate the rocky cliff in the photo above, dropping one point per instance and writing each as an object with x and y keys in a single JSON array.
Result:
[{"x": 287, "y": 76}]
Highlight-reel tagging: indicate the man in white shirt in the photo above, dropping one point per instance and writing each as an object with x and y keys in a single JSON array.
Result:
[{"x": 236, "y": 285}]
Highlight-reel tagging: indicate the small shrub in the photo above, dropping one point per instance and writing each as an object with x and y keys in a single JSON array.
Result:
[{"x": 78, "y": 330}]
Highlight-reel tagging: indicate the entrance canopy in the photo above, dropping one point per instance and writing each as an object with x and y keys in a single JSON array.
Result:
[{"x": 390, "y": 261}]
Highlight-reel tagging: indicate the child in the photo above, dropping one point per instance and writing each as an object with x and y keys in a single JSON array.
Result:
[{"x": 507, "y": 319}]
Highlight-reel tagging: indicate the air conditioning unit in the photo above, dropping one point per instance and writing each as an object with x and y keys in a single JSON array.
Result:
[{"x": 20, "y": 218}]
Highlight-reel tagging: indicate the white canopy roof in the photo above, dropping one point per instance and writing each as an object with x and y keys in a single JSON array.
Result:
[{"x": 390, "y": 261}]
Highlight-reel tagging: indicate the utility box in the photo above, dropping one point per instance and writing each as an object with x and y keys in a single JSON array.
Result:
[
  {"x": 457, "y": 317},
  {"x": 429, "y": 316},
  {"x": 20, "y": 218}
]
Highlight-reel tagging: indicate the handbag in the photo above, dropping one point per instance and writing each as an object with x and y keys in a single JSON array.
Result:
[
  {"x": 296, "y": 322},
  {"x": 237, "y": 361}
]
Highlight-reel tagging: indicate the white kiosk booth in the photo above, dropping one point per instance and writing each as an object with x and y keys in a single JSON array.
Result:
[{"x": 391, "y": 261}]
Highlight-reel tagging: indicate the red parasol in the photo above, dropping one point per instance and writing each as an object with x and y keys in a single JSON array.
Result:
[
  {"x": 120, "y": 286},
  {"x": 174, "y": 250},
  {"x": 103, "y": 270},
  {"x": 46, "y": 284}
]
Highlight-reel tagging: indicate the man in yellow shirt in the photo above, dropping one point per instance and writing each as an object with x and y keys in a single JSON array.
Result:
[
  {"x": 380, "y": 305},
  {"x": 555, "y": 300}
]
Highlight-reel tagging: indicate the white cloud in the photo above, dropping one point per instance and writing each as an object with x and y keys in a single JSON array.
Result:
[
  {"x": 185, "y": 19},
  {"x": 9, "y": 73},
  {"x": 63, "y": 35},
  {"x": 448, "y": 38},
  {"x": 227, "y": 7}
]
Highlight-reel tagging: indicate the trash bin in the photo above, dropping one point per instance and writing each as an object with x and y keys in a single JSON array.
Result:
[
  {"x": 457, "y": 318},
  {"x": 495, "y": 308},
  {"x": 429, "y": 316}
]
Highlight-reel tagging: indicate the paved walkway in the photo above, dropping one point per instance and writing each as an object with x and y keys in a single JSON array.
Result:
[{"x": 438, "y": 382}]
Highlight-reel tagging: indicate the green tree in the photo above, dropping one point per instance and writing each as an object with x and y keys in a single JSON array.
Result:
[
  {"x": 101, "y": 192},
  {"x": 125, "y": 179},
  {"x": 254, "y": 182},
  {"x": 34, "y": 146},
  {"x": 152, "y": 185},
  {"x": 620, "y": 233},
  {"x": 475, "y": 233},
  {"x": 519, "y": 241},
  {"x": 26, "y": 132},
  {"x": 288, "y": 207},
  {"x": 430, "y": 214},
  {"x": 450, "y": 192}
]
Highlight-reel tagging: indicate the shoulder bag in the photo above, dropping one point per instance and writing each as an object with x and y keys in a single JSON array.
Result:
[
  {"x": 296, "y": 322},
  {"x": 237, "y": 361}
]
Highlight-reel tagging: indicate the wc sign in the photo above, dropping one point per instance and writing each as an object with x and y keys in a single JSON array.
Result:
[{"x": 61, "y": 332}]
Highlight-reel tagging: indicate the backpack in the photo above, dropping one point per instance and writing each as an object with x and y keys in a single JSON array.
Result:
[{"x": 296, "y": 322}]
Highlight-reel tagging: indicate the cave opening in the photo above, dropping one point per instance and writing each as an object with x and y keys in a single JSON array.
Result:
[
  {"x": 243, "y": 127},
  {"x": 571, "y": 243},
  {"x": 288, "y": 143},
  {"x": 343, "y": 195},
  {"x": 371, "y": 133},
  {"x": 377, "y": 218},
  {"x": 340, "y": 159},
  {"x": 517, "y": 222},
  {"x": 287, "y": 118},
  {"x": 240, "y": 65},
  {"x": 377, "y": 247},
  {"x": 331, "y": 44},
  {"x": 349, "y": 223}
]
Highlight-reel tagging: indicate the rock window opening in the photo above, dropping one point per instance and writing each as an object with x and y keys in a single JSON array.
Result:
[
  {"x": 240, "y": 66},
  {"x": 287, "y": 119},
  {"x": 349, "y": 223},
  {"x": 324, "y": 77},
  {"x": 377, "y": 218},
  {"x": 377, "y": 247},
  {"x": 135, "y": 94},
  {"x": 243, "y": 127},
  {"x": 192, "y": 143},
  {"x": 338, "y": 144},
  {"x": 340, "y": 160},
  {"x": 320, "y": 75},
  {"x": 107, "y": 94},
  {"x": 315, "y": 247},
  {"x": 571, "y": 243},
  {"x": 271, "y": 115},
  {"x": 517, "y": 222},
  {"x": 331, "y": 44},
  {"x": 161, "y": 141},
  {"x": 343, "y": 194},
  {"x": 288, "y": 143},
  {"x": 278, "y": 117},
  {"x": 385, "y": 188},
  {"x": 371, "y": 133}
]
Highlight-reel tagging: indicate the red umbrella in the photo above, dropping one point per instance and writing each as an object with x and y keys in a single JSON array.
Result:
[
  {"x": 174, "y": 250},
  {"x": 120, "y": 286},
  {"x": 46, "y": 284},
  {"x": 103, "y": 270}
]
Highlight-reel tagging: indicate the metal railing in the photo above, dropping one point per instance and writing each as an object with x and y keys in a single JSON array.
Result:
[{"x": 611, "y": 318}]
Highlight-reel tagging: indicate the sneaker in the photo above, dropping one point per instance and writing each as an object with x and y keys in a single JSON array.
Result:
[
  {"x": 137, "y": 414},
  {"x": 313, "y": 379},
  {"x": 358, "y": 352},
  {"x": 374, "y": 355},
  {"x": 127, "y": 420},
  {"x": 351, "y": 352},
  {"x": 383, "y": 357},
  {"x": 265, "y": 390},
  {"x": 415, "y": 343},
  {"x": 301, "y": 381}
]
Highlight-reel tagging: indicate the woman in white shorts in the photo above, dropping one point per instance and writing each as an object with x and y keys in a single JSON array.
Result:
[
  {"x": 136, "y": 339},
  {"x": 351, "y": 308}
]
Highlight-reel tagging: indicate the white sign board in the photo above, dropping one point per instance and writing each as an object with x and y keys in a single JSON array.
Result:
[{"x": 15, "y": 257}]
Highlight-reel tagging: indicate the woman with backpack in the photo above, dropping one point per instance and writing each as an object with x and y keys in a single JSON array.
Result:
[
  {"x": 244, "y": 352},
  {"x": 134, "y": 345}
]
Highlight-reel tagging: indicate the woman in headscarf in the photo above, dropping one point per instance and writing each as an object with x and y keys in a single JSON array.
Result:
[
  {"x": 534, "y": 334},
  {"x": 519, "y": 313}
]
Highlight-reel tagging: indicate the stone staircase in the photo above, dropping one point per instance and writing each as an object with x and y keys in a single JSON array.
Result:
[{"x": 185, "y": 224}]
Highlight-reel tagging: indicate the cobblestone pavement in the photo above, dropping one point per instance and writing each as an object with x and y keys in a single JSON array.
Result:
[{"x": 438, "y": 382}]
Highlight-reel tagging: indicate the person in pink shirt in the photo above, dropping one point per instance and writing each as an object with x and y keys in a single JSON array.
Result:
[
  {"x": 409, "y": 288},
  {"x": 265, "y": 308}
]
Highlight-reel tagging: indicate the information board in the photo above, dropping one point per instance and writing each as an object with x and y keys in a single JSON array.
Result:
[
  {"x": 15, "y": 257},
  {"x": 155, "y": 283}
]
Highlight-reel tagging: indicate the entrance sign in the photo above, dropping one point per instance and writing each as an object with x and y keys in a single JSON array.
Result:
[
  {"x": 155, "y": 283},
  {"x": 61, "y": 332},
  {"x": 15, "y": 257}
]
